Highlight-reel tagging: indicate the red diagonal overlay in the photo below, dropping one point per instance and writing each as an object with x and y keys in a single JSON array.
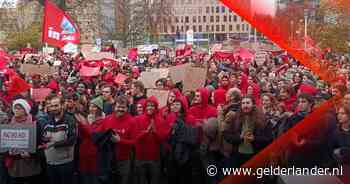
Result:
[{"x": 276, "y": 25}]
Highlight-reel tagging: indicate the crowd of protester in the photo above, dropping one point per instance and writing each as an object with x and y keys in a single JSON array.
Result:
[{"x": 93, "y": 130}]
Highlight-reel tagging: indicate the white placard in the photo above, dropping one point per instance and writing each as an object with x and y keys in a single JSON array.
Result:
[{"x": 14, "y": 138}]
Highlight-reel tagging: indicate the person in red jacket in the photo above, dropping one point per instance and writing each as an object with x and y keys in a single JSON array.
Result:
[
  {"x": 175, "y": 93},
  {"x": 151, "y": 131},
  {"x": 201, "y": 109},
  {"x": 122, "y": 124},
  {"x": 88, "y": 165}
]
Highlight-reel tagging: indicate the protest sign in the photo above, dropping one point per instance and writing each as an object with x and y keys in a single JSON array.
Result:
[
  {"x": 177, "y": 73},
  {"x": 18, "y": 136},
  {"x": 32, "y": 69},
  {"x": 194, "y": 78},
  {"x": 260, "y": 57},
  {"x": 161, "y": 95},
  {"x": 149, "y": 78},
  {"x": 147, "y": 49},
  {"x": 39, "y": 94}
]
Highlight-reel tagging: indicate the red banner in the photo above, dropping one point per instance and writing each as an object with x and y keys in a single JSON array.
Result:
[
  {"x": 132, "y": 55},
  {"x": 58, "y": 28}
]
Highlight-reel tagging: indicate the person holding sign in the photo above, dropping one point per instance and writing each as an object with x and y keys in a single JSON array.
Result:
[{"x": 22, "y": 166}]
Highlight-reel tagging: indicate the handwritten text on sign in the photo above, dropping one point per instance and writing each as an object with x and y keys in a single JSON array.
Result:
[{"x": 14, "y": 138}]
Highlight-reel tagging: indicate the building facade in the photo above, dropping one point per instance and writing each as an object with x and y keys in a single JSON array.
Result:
[{"x": 207, "y": 18}]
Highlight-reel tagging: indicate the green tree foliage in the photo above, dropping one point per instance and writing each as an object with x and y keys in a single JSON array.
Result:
[{"x": 19, "y": 39}]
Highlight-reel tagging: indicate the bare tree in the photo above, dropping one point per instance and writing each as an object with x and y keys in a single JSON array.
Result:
[{"x": 141, "y": 19}]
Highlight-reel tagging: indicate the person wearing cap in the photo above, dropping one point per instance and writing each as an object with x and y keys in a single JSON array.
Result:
[
  {"x": 22, "y": 165},
  {"x": 88, "y": 164},
  {"x": 58, "y": 135}
]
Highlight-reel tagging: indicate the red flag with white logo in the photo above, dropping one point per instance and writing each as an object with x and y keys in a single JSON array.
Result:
[{"x": 58, "y": 28}]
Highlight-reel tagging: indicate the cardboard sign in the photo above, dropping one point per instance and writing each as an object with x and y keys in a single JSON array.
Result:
[
  {"x": 97, "y": 55},
  {"x": 149, "y": 78},
  {"x": 161, "y": 95},
  {"x": 195, "y": 78},
  {"x": 177, "y": 73},
  {"x": 39, "y": 94},
  {"x": 32, "y": 69},
  {"x": 18, "y": 136}
]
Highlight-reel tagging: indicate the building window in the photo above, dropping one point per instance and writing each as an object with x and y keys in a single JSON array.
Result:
[
  {"x": 200, "y": 10},
  {"x": 230, "y": 27},
  {"x": 212, "y": 28},
  {"x": 223, "y": 9},
  {"x": 247, "y": 27},
  {"x": 177, "y": 29},
  {"x": 173, "y": 29},
  {"x": 212, "y": 9},
  {"x": 243, "y": 27},
  {"x": 182, "y": 19},
  {"x": 217, "y": 9},
  {"x": 200, "y": 28},
  {"x": 199, "y": 19},
  {"x": 230, "y": 18},
  {"x": 187, "y": 28},
  {"x": 176, "y": 19},
  {"x": 182, "y": 29},
  {"x": 235, "y": 18},
  {"x": 211, "y": 18},
  {"x": 225, "y": 18},
  {"x": 204, "y": 19},
  {"x": 223, "y": 28},
  {"x": 238, "y": 27},
  {"x": 187, "y": 20},
  {"x": 194, "y": 19},
  {"x": 207, "y": 9},
  {"x": 165, "y": 29},
  {"x": 217, "y": 18},
  {"x": 207, "y": 28},
  {"x": 217, "y": 28},
  {"x": 194, "y": 28}
]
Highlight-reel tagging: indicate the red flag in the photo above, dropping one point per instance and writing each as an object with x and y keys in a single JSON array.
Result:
[
  {"x": 3, "y": 63},
  {"x": 120, "y": 78},
  {"x": 188, "y": 50},
  {"x": 185, "y": 51},
  {"x": 58, "y": 28},
  {"x": 17, "y": 86},
  {"x": 89, "y": 71},
  {"x": 132, "y": 55}
]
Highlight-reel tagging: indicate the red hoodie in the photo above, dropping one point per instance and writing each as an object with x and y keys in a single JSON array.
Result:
[
  {"x": 147, "y": 144},
  {"x": 189, "y": 119},
  {"x": 203, "y": 110},
  {"x": 87, "y": 148},
  {"x": 219, "y": 96},
  {"x": 164, "y": 111},
  {"x": 124, "y": 126}
]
